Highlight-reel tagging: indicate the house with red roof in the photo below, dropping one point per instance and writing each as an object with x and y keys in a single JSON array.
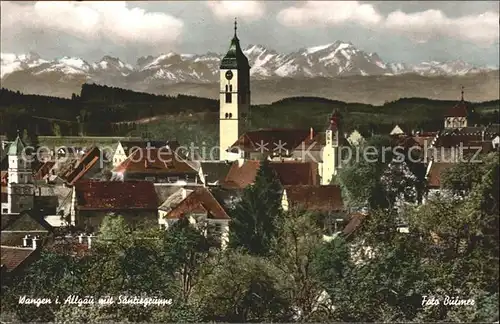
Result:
[
  {"x": 242, "y": 173},
  {"x": 320, "y": 200},
  {"x": 136, "y": 201},
  {"x": 89, "y": 165},
  {"x": 203, "y": 210},
  {"x": 158, "y": 165}
]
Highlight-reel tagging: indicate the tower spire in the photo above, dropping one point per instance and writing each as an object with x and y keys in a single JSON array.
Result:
[
  {"x": 235, "y": 26},
  {"x": 462, "y": 93}
]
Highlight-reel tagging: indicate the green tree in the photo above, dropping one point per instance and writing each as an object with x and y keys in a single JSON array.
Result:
[
  {"x": 243, "y": 288},
  {"x": 185, "y": 251},
  {"x": 256, "y": 217},
  {"x": 294, "y": 254}
]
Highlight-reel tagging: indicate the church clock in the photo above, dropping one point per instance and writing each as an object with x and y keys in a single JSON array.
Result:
[{"x": 229, "y": 75}]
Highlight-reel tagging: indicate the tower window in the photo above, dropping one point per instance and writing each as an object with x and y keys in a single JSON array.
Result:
[
  {"x": 228, "y": 97},
  {"x": 226, "y": 87},
  {"x": 230, "y": 88},
  {"x": 230, "y": 115},
  {"x": 227, "y": 115}
]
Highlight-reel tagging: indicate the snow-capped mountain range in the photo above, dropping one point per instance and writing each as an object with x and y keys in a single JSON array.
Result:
[{"x": 330, "y": 60}]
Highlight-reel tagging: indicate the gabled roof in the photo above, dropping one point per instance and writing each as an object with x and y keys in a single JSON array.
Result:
[
  {"x": 315, "y": 198},
  {"x": 268, "y": 139},
  {"x": 44, "y": 170},
  {"x": 435, "y": 173},
  {"x": 86, "y": 163},
  {"x": 13, "y": 257},
  {"x": 160, "y": 161},
  {"x": 26, "y": 221},
  {"x": 200, "y": 200},
  {"x": 115, "y": 195},
  {"x": 288, "y": 172},
  {"x": 215, "y": 172},
  {"x": 175, "y": 199}
]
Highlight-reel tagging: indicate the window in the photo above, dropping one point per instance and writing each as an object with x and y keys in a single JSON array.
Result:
[
  {"x": 230, "y": 88},
  {"x": 227, "y": 88},
  {"x": 228, "y": 97},
  {"x": 21, "y": 177},
  {"x": 230, "y": 115},
  {"x": 5, "y": 210},
  {"x": 21, "y": 205},
  {"x": 227, "y": 115}
]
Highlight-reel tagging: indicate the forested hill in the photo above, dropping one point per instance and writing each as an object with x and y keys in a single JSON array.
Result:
[
  {"x": 96, "y": 105},
  {"x": 103, "y": 111}
]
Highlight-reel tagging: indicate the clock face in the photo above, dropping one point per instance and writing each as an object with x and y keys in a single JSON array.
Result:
[{"x": 229, "y": 75}]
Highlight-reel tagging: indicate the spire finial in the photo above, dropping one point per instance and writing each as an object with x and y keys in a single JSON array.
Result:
[
  {"x": 18, "y": 132},
  {"x": 462, "y": 93},
  {"x": 235, "y": 26}
]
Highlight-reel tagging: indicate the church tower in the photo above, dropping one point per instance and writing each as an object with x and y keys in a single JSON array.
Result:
[
  {"x": 234, "y": 97},
  {"x": 456, "y": 117},
  {"x": 331, "y": 150},
  {"x": 20, "y": 194}
]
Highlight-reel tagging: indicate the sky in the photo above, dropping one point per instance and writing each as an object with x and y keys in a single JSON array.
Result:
[{"x": 399, "y": 31}]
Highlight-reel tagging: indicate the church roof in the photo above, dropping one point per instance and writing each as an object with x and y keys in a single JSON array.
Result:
[
  {"x": 235, "y": 58},
  {"x": 459, "y": 110},
  {"x": 17, "y": 147}
]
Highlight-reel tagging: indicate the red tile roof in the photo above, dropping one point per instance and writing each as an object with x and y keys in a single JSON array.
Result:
[
  {"x": 436, "y": 171},
  {"x": 288, "y": 172},
  {"x": 44, "y": 170},
  {"x": 289, "y": 138},
  {"x": 315, "y": 198},
  {"x": 116, "y": 195},
  {"x": 200, "y": 200},
  {"x": 88, "y": 160},
  {"x": 160, "y": 161},
  {"x": 13, "y": 257},
  {"x": 459, "y": 110}
]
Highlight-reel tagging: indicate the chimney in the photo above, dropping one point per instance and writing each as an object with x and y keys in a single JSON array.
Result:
[
  {"x": 89, "y": 240},
  {"x": 240, "y": 162},
  {"x": 80, "y": 238},
  {"x": 36, "y": 241},
  {"x": 26, "y": 240},
  {"x": 311, "y": 133},
  {"x": 482, "y": 135},
  {"x": 184, "y": 193}
]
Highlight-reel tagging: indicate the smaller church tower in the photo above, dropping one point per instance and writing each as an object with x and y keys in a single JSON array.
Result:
[
  {"x": 234, "y": 97},
  {"x": 20, "y": 189},
  {"x": 331, "y": 151},
  {"x": 456, "y": 117}
]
